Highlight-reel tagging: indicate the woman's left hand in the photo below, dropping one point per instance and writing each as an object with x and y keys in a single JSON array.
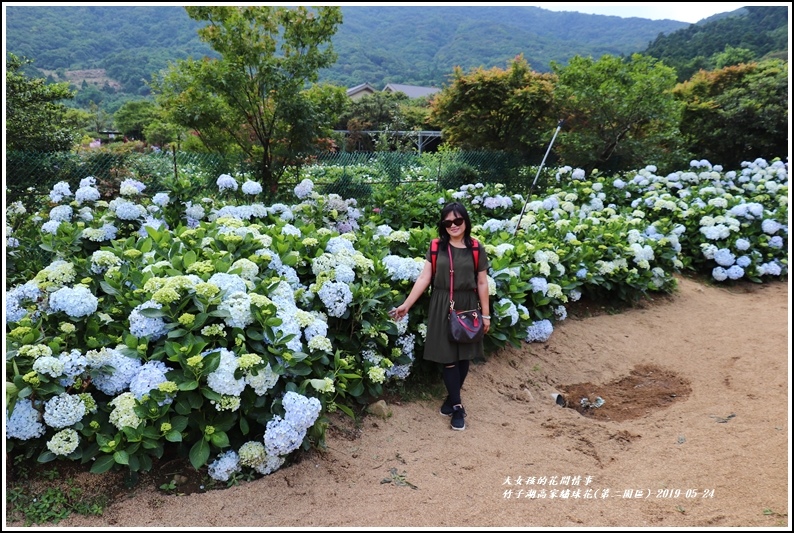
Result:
[{"x": 486, "y": 322}]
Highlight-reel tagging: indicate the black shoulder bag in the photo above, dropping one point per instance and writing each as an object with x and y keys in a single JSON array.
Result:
[{"x": 465, "y": 327}]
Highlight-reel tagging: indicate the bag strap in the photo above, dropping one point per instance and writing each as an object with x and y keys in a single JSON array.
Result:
[
  {"x": 451, "y": 279},
  {"x": 475, "y": 252},
  {"x": 452, "y": 282}
]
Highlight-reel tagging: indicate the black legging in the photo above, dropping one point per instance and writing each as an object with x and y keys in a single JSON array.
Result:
[{"x": 454, "y": 375}]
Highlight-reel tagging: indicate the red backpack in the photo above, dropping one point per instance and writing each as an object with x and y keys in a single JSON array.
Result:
[{"x": 475, "y": 251}]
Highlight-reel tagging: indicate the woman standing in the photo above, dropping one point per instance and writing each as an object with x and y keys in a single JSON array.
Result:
[{"x": 471, "y": 290}]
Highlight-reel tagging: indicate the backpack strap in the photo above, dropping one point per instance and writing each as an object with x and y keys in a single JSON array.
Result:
[
  {"x": 434, "y": 255},
  {"x": 475, "y": 250}
]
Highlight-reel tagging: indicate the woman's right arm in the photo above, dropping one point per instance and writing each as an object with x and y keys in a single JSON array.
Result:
[{"x": 420, "y": 286}]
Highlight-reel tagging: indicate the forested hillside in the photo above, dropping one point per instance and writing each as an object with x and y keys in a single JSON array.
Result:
[
  {"x": 379, "y": 45},
  {"x": 762, "y": 31},
  {"x": 109, "y": 53}
]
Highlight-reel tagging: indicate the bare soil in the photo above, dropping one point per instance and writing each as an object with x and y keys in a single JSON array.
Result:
[{"x": 674, "y": 413}]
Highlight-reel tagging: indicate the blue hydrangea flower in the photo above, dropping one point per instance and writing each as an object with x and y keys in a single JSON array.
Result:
[
  {"x": 776, "y": 242},
  {"x": 143, "y": 326},
  {"x": 51, "y": 226},
  {"x": 226, "y": 182},
  {"x": 304, "y": 189},
  {"x": 113, "y": 370},
  {"x": 301, "y": 411},
  {"x": 402, "y": 268},
  {"x": 281, "y": 437},
  {"x": 768, "y": 226},
  {"x": 724, "y": 257},
  {"x": 24, "y": 423},
  {"x": 74, "y": 366},
  {"x": 27, "y": 292},
  {"x": 222, "y": 379},
  {"x": 61, "y": 213},
  {"x": 131, "y": 187},
  {"x": 336, "y": 297},
  {"x": 251, "y": 187},
  {"x": 161, "y": 199},
  {"x": 539, "y": 285},
  {"x": 735, "y": 272},
  {"x": 76, "y": 302},
  {"x": 60, "y": 191},
  {"x": 87, "y": 194},
  {"x": 719, "y": 273},
  {"x": 63, "y": 410},
  {"x": 148, "y": 377},
  {"x": 539, "y": 331},
  {"x": 126, "y": 210},
  {"x": 228, "y": 283},
  {"x": 226, "y": 464}
]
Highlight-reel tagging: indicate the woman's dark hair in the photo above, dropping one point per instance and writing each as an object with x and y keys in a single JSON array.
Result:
[{"x": 459, "y": 211}]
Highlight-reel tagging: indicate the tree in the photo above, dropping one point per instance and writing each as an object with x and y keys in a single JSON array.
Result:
[
  {"x": 376, "y": 111},
  {"x": 620, "y": 113},
  {"x": 496, "y": 109},
  {"x": 732, "y": 56},
  {"x": 737, "y": 113},
  {"x": 387, "y": 113},
  {"x": 132, "y": 118},
  {"x": 256, "y": 95},
  {"x": 36, "y": 121}
]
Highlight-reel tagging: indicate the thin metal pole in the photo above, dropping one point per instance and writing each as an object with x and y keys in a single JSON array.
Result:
[{"x": 559, "y": 125}]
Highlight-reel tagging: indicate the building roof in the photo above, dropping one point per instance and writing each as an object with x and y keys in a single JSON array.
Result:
[
  {"x": 361, "y": 90},
  {"x": 412, "y": 91}
]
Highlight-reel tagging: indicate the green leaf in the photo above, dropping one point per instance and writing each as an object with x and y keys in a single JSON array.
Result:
[
  {"x": 103, "y": 464},
  {"x": 188, "y": 385},
  {"x": 46, "y": 457},
  {"x": 189, "y": 258},
  {"x": 173, "y": 436},
  {"x": 357, "y": 390},
  {"x": 199, "y": 454},
  {"x": 131, "y": 341},
  {"x": 345, "y": 409},
  {"x": 151, "y": 312},
  {"x": 220, "y": 439},
  {"x": 121, "y": 457},
  {"x": 179, "y": 423},
  {"x": 108, "y": 288},
  {"x": 182, "y": 406}
]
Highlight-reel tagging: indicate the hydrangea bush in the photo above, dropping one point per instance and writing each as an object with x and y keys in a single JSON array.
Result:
[{"x": 226, "y": 328}]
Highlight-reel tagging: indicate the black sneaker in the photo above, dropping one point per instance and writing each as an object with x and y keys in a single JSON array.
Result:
[
  {"x": 458, "y": 414},
  {"x": 446, "y": 408}
]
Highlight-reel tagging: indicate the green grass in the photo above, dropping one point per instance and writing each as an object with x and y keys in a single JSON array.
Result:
[
  {"x": 36, "y": 494},
  {"x": 51, "y": 505}
]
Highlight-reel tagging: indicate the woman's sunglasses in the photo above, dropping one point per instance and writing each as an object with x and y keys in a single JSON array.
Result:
[{"x": 448, "y": 223}]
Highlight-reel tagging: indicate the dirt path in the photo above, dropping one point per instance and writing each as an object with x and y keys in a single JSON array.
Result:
[{"x": 693, "y": 431}]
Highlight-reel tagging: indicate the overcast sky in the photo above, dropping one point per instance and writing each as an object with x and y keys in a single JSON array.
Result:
[{"x": 681, "y": 11}]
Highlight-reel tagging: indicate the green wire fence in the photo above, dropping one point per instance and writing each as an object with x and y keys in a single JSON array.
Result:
[{"x": 350, "y": 174}]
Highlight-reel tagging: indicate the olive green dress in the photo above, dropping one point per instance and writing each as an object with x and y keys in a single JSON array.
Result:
[{"x": 438, "y": 347}]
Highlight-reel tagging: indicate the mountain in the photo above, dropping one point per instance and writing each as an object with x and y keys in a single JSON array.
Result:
[
  {"x": 377, "y": 44},
  {"x": 422, "y": 45},
  {"x": 761, "y": 30},
  {"x": 110, "y": 52}
]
